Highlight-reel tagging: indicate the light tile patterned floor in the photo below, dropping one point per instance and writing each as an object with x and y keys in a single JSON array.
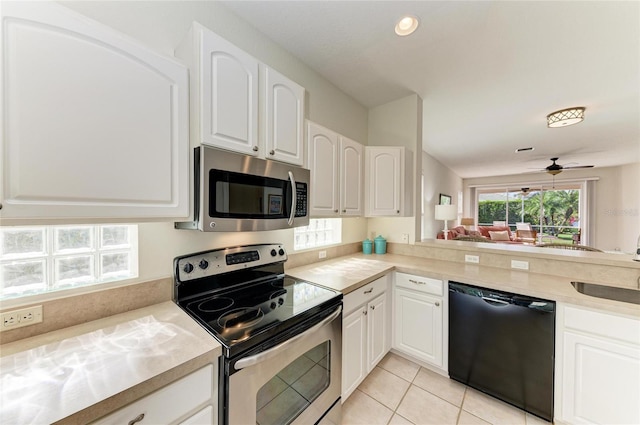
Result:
[{"x": 401, "y": 392}]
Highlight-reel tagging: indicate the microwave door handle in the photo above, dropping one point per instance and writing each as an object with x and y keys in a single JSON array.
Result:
[
  {"x": 293, "y": 200},
  {"x": 272, "y": 352}
]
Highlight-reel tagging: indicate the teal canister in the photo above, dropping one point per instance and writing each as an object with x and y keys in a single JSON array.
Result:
[
  {"x": 366, "y": 246},
  {"x": 380, "y": 245}
]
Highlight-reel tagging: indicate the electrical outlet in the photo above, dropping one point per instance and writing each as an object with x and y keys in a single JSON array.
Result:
[
  {"x": 472, "y": 259},
  {"x": 322, "y": 254},
  {"x": 520, "y": 265},
  {"x": 405, "y": 238},
  {"x": 19, "y": 318}
]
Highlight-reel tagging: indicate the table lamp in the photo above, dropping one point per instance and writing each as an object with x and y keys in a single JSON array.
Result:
[{"x": 446, "y": 213}]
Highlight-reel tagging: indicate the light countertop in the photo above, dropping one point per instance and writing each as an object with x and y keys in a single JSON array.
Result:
[
  {"x": 350, "y": 272},
  {"x": 78, "y": 374}
]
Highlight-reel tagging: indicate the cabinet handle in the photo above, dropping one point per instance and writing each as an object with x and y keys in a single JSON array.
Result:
[
  {"x": 417, "y": 282},
  {"x": 136, "y": 419},
  {"x": 272, "y": 152},
  {"x": 437, "y": 304},
  {"x": 369, "y": 291},
  {"x": 373, "y": 307},
  {"x": 255, "y": 149}
]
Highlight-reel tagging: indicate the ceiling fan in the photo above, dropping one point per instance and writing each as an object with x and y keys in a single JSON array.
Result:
[{"x": 554, "y": 168}]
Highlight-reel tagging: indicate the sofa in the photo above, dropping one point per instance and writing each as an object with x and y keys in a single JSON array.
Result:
[{"x": 499, "y": 234}]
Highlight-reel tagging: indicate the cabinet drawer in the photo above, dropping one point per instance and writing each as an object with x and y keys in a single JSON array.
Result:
[
  {"x": 364, "y": 294},
  {"x": 169, "y": 403},
  {"x": 419, "y": 283},
  {"x": 603, "y": 324}
]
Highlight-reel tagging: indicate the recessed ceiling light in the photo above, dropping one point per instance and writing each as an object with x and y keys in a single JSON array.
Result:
[{"x": 407, "y": 25}]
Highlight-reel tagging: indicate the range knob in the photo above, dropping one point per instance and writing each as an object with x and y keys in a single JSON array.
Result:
[
  {"x": 203, "y": 264},
  {"x": 273, "y": 253},
  {"x": 281, "y": 251},
  {"x": 188, "y": 268},
  {"x": 273, "y": 306},
  {"x": 280, "y": 301}
]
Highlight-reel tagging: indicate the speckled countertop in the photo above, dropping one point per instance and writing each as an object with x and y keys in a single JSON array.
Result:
[
  {"x": 348, "y": 273},
  {"x": 78, "y": 374}
]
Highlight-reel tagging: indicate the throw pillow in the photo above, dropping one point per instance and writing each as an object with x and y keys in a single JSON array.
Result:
[{"x": 499, "y": 236}]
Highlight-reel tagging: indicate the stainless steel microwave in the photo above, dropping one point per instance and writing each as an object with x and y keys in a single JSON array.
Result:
[{"x": 241, "y": 193}]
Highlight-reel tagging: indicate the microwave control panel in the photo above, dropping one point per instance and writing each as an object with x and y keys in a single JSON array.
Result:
[{"x": 301, "y": 199}]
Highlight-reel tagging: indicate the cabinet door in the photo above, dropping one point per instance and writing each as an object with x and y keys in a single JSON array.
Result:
[
  {"x": 383, "y": 177},
  {"x": 323, "y": 163},
  {"x": 600, "y": 381},
  {"x": 418, "y": 326},
  {"x": 377, "y": 331},
  {"x": 354, "y": 345},
  {"x": 284, "y": 110},
  {"x": 351, "y": 177},
  {"x": 205, "y": 416},
  {"x": 228, "y": 87},
  {"x": 95, "y": 124}
]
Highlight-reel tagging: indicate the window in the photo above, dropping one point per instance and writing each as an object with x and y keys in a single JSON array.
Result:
[
  {"x": 555, "y": 213},
  {"x": 34, "y": 260},
  {"x": 319, "y": 232}
]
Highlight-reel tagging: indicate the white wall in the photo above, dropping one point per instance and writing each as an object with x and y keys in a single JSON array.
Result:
[
  {"x": 438, "y": 179},
  {"x": 161, "y": 25},
  {"x": 617, "y": 213}
]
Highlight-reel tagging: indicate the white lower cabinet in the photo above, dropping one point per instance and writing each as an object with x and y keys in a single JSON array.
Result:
[
  {"x": 597, "y": 367},
  {"x": 365, "y": 333},
  {"x": 418, "y": 318},
  {"x": 189, "y": 400}
]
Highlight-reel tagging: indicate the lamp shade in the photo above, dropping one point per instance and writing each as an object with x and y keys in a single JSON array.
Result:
[
  {"x": 446, "y": 212},
  {"x": 467, "y": 221}
]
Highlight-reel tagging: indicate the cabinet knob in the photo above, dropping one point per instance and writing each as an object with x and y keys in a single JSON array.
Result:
[
  {"x": 136, "y": 419},
  {"x": 373, "y": 307},
  {"x": 255, "y": 149},
  {"x": 0, "y": 206},
  {"x": 364, "y": 312},
  {"x": 437, "y": 304},
  {"x": 335, "y": 211},
  {"x": 398, "y": 212},
  {"x": 344, "y": 211},
  {"x": 272, "y": 152}
]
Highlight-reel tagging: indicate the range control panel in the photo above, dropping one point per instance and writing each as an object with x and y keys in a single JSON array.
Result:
[{"x": 224, "y": 260}]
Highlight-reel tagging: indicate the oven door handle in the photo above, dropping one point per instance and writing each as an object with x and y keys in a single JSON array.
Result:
[
  {"x": 294, "y": 198},
  {"x": 272, "y": 352}
]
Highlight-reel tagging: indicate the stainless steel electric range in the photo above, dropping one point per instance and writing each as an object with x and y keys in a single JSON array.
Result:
[{"x": 280, "y": 337}]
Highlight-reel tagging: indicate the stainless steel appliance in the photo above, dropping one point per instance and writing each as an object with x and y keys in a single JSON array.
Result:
[
  {"x": 281, "y": 338},
  {"x": 503, "y": 344},
  {"x": 235, "y": 192}
]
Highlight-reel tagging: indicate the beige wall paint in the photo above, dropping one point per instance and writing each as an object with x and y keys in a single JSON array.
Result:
[
  {"x": 617, "y": 213},
  {"x": 399, "y": 123},
  {"x": 438, "y": 179}
]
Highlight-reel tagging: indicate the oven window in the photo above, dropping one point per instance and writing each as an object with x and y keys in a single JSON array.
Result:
[{"x": 295, "y": 387}]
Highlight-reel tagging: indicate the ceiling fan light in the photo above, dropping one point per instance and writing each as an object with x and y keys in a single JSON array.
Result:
[
  {"x": 554, "y": 172},
  {"x": 407, "y": 25},
  {"x": 565, "y": 117}
]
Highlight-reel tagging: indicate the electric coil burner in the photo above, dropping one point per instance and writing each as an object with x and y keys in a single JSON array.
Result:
[{"x": 242, "y": 297}]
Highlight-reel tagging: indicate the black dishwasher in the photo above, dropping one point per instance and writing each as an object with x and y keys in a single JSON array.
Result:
[{"x": 503, "y": 344}]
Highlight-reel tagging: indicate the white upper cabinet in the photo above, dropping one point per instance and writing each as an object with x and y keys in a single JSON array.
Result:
[
  {"x": 284, "y": 111},
  {"x": 224, "y": 92},
  {"x": 94, "y": 124},
  {"x": 351, "y": 177},
  {"x": 232, "y": 92},
  {"x": 337, "y": 173},
  {"x": 389, "y": 181}
]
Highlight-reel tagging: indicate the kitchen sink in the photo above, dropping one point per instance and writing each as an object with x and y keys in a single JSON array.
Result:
[{"x": 609, "y": 292}]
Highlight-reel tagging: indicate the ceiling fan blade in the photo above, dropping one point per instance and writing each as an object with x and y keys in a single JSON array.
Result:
[{"x": 578, "y": 166}]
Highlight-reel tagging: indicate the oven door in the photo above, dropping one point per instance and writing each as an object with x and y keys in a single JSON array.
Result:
[{"x": 295, "y": 382}]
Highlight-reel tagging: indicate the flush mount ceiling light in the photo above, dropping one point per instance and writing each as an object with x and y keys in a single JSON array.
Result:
[
  {"x": 565, "y": 117},
  {"x": 407, "y": 25}
]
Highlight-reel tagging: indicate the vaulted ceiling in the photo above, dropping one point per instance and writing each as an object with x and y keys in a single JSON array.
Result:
[{"x": 488, "y": 71}]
